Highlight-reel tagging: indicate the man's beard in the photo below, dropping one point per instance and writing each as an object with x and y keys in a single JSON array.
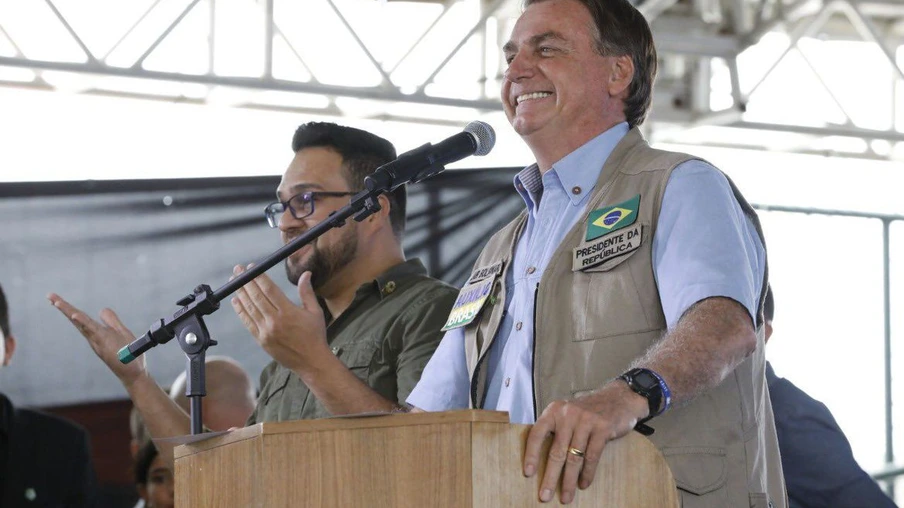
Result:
[{"x": 323, "y": 264}]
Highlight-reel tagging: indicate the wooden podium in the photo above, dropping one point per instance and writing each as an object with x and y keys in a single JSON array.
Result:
[{"x": 453, "y": 459}]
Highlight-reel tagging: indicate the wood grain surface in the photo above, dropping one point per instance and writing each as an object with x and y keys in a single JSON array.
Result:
[{"x": 451, "y": 459}]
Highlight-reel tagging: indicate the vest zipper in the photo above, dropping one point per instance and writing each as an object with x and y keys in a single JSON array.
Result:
[
  {"x": 478, "y": 403},
  {"x": 533, "y": 358}
]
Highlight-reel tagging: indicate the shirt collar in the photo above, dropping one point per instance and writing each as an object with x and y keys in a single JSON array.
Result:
[
  {"x": 386, "y": 282},
  {"x": 383, "y": 285},
  {"x": 529, "y": 183},
  {"x": 577, "y": 172}
]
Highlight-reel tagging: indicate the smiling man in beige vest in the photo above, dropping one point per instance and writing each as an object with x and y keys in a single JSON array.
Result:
[{"x": 629, "y": 291}]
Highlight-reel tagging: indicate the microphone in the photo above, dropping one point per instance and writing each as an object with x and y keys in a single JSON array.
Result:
[{"x": 425, "y": 161}]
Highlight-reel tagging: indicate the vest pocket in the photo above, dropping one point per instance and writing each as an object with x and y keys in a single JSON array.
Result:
[
  {"x": 697, "y": 470},
  {"x": 607, "y": 301},
  {"x": 760, "y": 500}
]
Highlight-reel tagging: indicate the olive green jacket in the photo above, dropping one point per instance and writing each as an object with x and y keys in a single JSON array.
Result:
[{"x": 385, "y": 337}]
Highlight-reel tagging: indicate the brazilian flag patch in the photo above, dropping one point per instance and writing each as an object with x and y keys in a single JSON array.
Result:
[{"x": 611, "y": 218}]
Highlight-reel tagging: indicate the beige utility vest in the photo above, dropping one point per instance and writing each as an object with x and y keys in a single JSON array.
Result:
[{"x": 590, "y": 324}]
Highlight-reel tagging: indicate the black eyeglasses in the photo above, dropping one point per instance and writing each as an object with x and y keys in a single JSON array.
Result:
[{"x": 301, "y": 205}]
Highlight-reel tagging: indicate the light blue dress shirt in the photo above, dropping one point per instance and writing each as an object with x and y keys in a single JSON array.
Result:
[{"x": 702, "y": 237}]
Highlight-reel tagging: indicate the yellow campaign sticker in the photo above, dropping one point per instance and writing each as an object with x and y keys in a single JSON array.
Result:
[{"x": 467, "y": 306}]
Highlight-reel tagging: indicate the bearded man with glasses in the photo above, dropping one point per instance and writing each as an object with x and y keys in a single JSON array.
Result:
[{"x": 368, "y": 321}]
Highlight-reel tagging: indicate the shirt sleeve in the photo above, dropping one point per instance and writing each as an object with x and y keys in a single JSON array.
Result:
[
  {"x": 444, "y": 384},
  {"x": 421, "y": 335},
  {"x": 705, "y": 246}
]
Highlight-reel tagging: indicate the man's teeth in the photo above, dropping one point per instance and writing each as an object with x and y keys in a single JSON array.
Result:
[{"x": 530, "y": 96}]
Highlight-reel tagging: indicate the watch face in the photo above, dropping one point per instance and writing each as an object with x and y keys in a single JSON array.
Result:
[{"x": 646, "y": 380}]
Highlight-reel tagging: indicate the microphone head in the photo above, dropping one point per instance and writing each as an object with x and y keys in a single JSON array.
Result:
[{"x": 483, "y": 134}]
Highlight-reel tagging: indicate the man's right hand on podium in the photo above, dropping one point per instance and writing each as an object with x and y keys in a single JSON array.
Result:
[{"x": 580, "y": 429}]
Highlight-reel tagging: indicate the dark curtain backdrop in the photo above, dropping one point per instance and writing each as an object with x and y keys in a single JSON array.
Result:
[{"x": 137, "y": 246}]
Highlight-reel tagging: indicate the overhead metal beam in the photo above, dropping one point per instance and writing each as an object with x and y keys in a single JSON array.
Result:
[
  {"x": 481, "y": 23},
  {"x": 701, "y": 45},
  {"x": 681, "y": 35},
  {"x": 379, "y": 94},
  {"x": 68, "y": 27},
  {"x": 820, "y": 132},
  {"x": 850, "y": 132},
  {"x": 138, "y": 63},
  {"x": 868, "y": 31},
  {"x": 385, "y": 81},
  {"x": 790, "y": 150},
  {"x": 131, "y": 29}
]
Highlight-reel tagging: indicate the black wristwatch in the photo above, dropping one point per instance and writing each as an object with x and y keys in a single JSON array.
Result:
[{"x": 650, "y": 385}]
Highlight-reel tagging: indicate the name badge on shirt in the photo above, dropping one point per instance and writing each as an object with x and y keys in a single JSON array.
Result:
[
  {"x": 483, "y": 273},
  {"x": 472, "y": 297},
  {"x": 606, "y": 248}
]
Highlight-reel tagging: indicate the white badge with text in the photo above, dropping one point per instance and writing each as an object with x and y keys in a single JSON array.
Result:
[{"x": 606, "y": 248}]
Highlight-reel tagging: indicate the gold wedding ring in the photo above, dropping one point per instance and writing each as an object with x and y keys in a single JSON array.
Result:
[{"x": 574, "y": 451}]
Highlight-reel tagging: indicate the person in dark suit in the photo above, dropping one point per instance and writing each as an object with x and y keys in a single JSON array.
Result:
[
  {"x": 45, "y": 461},
  {"x": 819, "y": 466}
]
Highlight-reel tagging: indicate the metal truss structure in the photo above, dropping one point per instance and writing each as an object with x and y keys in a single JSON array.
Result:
[{"x": 707, "y": 47}]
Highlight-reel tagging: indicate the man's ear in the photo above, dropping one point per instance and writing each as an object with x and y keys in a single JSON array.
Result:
[
  {"x": 10, "y": 348},
  {"x": 385, "y": 208},
  {"x": 621, "y": 75}
]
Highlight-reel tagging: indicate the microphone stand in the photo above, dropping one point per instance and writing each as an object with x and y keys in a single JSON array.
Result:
[{"x": 187, "y": 324}]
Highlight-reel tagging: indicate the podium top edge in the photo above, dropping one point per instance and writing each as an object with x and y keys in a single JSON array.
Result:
[
  {"x": 385, "y": 420},
  {"x": 345, "y": 423}
]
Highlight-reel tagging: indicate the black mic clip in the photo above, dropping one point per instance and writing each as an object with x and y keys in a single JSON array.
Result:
[
  {"x": 201, "y": 302},
  {"x": 371, "y": 206}
]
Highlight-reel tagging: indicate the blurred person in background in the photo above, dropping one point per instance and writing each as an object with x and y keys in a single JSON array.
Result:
[
  {"x": 45, "y": 460},
  {"x": 140, "y": 437},
  {"x": 230, "y": 395},
  {"x": 153, "y": 478},
  {"x": 819, "y": 465},
  {"x": 138, "y": 432}
]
